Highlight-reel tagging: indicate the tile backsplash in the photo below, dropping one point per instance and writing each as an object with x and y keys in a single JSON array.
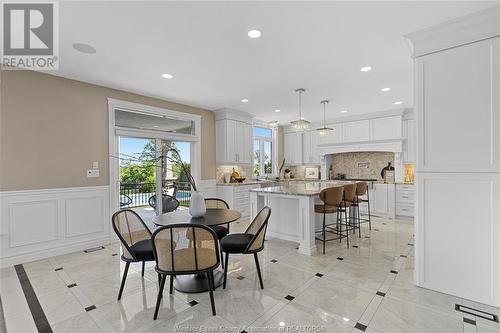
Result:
[
  {"x": 361, "y": 164},
  {"x": 243, "y": 170},
  {"x": 299, "y": 171}
]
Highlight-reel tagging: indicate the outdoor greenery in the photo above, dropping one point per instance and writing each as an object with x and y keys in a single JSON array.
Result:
[{"x": 141, "y": 168}]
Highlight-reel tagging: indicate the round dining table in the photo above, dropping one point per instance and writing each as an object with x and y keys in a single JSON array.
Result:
[{"x": 197, "y": 283}]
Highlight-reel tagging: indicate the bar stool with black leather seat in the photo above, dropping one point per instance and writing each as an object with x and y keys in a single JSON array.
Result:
[
  {"x": 332, "y": 198},
  {"x": 351, "y": 201},
  {"x": 249, "y": 242},
  {"x": 176, "y": 254},
  {"x": 135, "y": 238},
  {"x": 361, "y": 191},
  {"x": 219, "y": 230}
]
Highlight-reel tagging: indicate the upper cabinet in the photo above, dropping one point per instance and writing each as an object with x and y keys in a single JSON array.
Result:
[
  {"x": 355, "y": 131},
  {"x": 304, "y": 148},
  {"x": 233, "y": 138},
  {"x": 386, "y": 128},
  {"x": 332, "y": 138},
  {"x": 458, "y": 124},
  {"x": 293, "y": 148},
  {"x": 310, "y": 155}
]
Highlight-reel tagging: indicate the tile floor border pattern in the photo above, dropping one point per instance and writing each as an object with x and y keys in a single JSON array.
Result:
[
  {"x": 2, "y": 319},
  {"x": 41, "y": 322},
  {"x": 289, "y": 300}
]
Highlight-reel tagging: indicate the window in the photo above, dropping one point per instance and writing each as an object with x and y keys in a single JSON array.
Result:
[{"x": 263, "y": 151}]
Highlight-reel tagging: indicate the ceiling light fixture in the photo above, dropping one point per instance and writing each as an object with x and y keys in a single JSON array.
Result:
[
  {"x": 254, "y": 33},
  {"x": 385, "y": 89},
  {"x": 167, "y": 76},
  {"x": 277, "y": 110},
  {"x": 366, "y": 69},
  {"x": 398, "y": 103},
  {"x": 84, "y": 48},
  {"x": 343, "y": 111},
  {"x": 324, "y": 130},
  {"x": 244, "y": 100},
  {"x": 300, "y": 124}
]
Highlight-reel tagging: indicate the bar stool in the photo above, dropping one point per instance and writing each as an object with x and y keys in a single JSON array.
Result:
[
  {"x": 350, "y": 201},
  {"x": 332, "y": 198},
  {"x": 361, "y": 190}
]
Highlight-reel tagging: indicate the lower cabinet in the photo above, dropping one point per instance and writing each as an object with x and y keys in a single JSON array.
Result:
[
  {"x": 405, "y": 198},
  {"x": 237, "y": 196},
  {"x": 382, "y": 201}
]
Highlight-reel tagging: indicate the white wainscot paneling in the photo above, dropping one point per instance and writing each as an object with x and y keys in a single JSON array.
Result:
[
  {"x": 36, "y": 224},
  {"x": 355, "y": 131},
  {"x": 33, "y": 222},
  {"x": 458, "y": 235},
  {"x": 459, "y": 125},
  {"x": 386, "y": 128},
  {"x": 84, "y": 215}
]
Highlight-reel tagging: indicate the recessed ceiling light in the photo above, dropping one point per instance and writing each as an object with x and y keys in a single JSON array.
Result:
[
  {"x": 385, "y": 89},
  {"x": 366, "y": 69},
  {"x": 244, "y": 100},
  {"x": 277, "y": 110},
  {"x": 343, "y": 111},
  {"x": 84, "y": 48},
  {"x": 155, "y": 126},
  {"x": 254, "y": 33},
  {"x": 167, "y": 76},
  {"x": 398, "y": 103}
]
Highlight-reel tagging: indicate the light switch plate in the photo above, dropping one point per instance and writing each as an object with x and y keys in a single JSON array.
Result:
[
  {"x": 92, "y": 173},
  {"x": 95, "y": 165}
]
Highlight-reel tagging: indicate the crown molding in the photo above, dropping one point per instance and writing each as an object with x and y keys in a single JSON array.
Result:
[{"x": 466, "y": 29}]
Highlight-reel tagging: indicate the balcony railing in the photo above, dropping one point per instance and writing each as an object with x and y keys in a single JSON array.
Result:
[{"x": 138, "y": 194}]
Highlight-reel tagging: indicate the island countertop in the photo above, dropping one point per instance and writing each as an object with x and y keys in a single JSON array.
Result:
[{"x": 303, "y": 188}]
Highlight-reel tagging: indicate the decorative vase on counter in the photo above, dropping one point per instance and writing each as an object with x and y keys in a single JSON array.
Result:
[{"x": 197, "y": 206}]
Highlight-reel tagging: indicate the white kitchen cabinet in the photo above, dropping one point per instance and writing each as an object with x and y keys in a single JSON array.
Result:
[
  {"x": 293, "y": 148},
  {"x": 355, "y": 131},
  {"x": 310, "y": 153},
  {"x": 379, "y": 202},
  {"x": 386, "y": 128},
  {"x": 332, "y": 137},
  {"x": 237, "y": 196},
  {"x": 382, "y": 200},
  {"x": 457, "y": 98},
  {"x": 233, "y": 142},
  {"x": 410, "y": 146},
  {"x": 405, "y": 198}
]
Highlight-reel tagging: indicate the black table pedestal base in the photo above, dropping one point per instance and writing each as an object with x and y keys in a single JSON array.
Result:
[{"x": 196, "y": 283}]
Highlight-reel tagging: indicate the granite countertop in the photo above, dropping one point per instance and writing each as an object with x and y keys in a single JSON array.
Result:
[
  {"x": 246, "y": 182},
  {"x": 309, "y": 188}
]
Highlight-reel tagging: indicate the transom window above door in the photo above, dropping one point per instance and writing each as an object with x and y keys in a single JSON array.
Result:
[{"x": 153, "y": 122}]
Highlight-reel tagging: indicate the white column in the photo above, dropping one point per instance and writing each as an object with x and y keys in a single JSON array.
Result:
[{"x": 307, "y": 244}]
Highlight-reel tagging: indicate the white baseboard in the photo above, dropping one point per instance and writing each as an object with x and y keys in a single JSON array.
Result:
[
  {"x": 51, "y": 252},
  {"x": 37, "y": 224}
]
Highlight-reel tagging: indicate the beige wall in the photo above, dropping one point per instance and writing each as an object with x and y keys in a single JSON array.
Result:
[{"x": 52, "y": 129}]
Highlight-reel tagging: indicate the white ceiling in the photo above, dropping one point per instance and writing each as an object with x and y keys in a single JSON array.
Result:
[{"x": 316, "y": 45}]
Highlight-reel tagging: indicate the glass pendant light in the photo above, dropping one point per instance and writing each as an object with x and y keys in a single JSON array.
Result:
[
  {"x": 300, "y": 124},
  {"x": 273, "y": 123},
  {"x": 324, "y": 130}
]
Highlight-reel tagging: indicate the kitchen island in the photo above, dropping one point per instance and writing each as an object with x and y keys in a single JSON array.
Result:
[{"x": 292, "y": 216}]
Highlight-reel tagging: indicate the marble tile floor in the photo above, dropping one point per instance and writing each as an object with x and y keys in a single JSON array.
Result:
[{"x": 366, "y": 288}]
